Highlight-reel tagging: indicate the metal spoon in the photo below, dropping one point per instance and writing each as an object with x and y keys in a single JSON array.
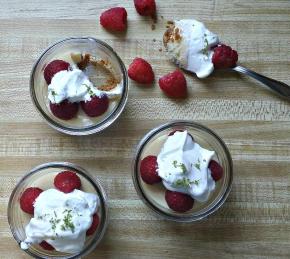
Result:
[{"x": 277, "y": 86}]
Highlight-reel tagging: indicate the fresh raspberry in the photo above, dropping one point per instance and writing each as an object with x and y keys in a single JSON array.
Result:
[
  {"x": 148, "y": 170},
  {"x": 53, "y": 67},
  {"x": 224, "y": 57},
  {"x": 46, "y": 246},
  {"x": 114, "y": 19},
  {"x": 94, "y": 226},
  {"x": 174, "y": 84},
  {"x": 28, "y": 198},
  {"x": 96, "y": 106},
  {"x": 141, "y": 71},
  {"x": 67, "y": 181},
  {"x": 64, "y": 110},
  {"x": 145, "y": 7},
  {"x": 178, "y": 201},
  {"x": 216, "y": 170}
]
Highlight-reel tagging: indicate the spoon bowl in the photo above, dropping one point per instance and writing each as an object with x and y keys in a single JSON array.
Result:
[{"x": 277, "y": 86}]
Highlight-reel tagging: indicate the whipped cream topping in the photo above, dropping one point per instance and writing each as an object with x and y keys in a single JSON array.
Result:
[
  {"x": 75, "y": 86},
  {"x": 61, "y": 219},
  {"x": 183, "y": 166},
  {"x": 190, "y": 44}
]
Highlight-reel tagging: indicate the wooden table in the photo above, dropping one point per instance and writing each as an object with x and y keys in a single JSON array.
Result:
[{"x": 254, "y": 123}]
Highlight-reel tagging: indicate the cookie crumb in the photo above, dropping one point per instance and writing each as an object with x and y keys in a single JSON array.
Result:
[
  {"x": 110, "y": 84},
  {"x": 83, "y": 60}
]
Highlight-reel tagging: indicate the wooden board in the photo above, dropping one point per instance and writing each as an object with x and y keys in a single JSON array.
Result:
[{"x": 254, "y": 123}]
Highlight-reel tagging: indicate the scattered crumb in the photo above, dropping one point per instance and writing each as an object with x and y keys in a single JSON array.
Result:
[
  {"x": 172, "y": 34},
  {"x": 160, "y": 50},
  {"x": 153, "y": 27},
  {"x": 162, "y": 17},
  {"x": 177, "y": 36},
  {"x": 170, "y": 22},
  {"x": 168, "y": 35}
]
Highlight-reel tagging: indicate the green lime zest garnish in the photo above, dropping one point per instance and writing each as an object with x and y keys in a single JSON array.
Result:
[{"x": 181, "y": 165}]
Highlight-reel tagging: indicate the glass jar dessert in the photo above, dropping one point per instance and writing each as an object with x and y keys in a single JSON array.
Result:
[
  {"x": 182, "y": 171},
  {"x": 58, "y": 210},
  {"x": 79, "y": 85}
]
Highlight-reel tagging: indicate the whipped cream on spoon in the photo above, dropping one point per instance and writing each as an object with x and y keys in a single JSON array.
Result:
[{"x": 183, "y": 43}]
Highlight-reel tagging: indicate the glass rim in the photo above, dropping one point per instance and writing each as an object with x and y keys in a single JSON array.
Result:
[
  {"x": 97, "y": 186},
  {"x": 94, "y": 128},
  {"x": 135, "y": 170}
]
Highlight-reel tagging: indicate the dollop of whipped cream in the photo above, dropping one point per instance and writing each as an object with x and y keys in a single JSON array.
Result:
[
  {"x": 183, "y": 166},
  {"x": 61, "y": 219},
  {"x": 190, "y": 44},
  {"x": 75, "y": 86}
]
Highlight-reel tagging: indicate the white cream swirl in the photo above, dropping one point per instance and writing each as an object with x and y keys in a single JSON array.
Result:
[
  {"x": 192, "y": 47},
  {"x": 183, "y": 166},
  {"x": 61, "y": 219},
  {"x": 75, "y": 86}
]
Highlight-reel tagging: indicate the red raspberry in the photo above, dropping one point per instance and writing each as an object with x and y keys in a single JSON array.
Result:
[
  {"x": 224, "y": 57},
  {"x": 148, "y": 170},
  {"x": 46, "y": 246},
  {"x": 178, "y": 201},
  {"x": 174, "y": 84},
  {"x": 141, "y": 71},
  {"x": 114, "y": 19},
  {"x": 28, "y": 198},
  {"x": 216, "y": 170},
  {"x": 96, "y": 106},
  {"x": 145, "y": 7},
  {"x": 64, "y": 110},
  {"x": 94, "y": 226},
  {"x": 53, "y": 67},
  {"x": 67, "y": 181}
]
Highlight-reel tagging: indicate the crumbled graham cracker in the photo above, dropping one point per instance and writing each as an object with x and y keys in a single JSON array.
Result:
[
  {"x": 83, "y": 60},
  {"x": 111, "y": 83}
]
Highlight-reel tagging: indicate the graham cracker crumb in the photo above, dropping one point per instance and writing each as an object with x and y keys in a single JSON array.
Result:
[
  {"x": 76, "y": 57},
  {"x": 84, "y": 61},
  {"x": 172, "y": 34},
  {"x": 111, "y": 83}
]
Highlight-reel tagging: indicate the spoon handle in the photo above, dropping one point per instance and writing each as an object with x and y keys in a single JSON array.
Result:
[{"x": 275, "y": 85}]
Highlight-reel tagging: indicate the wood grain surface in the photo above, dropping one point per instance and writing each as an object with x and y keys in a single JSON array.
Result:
[{"x": 254, "y": 123}]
